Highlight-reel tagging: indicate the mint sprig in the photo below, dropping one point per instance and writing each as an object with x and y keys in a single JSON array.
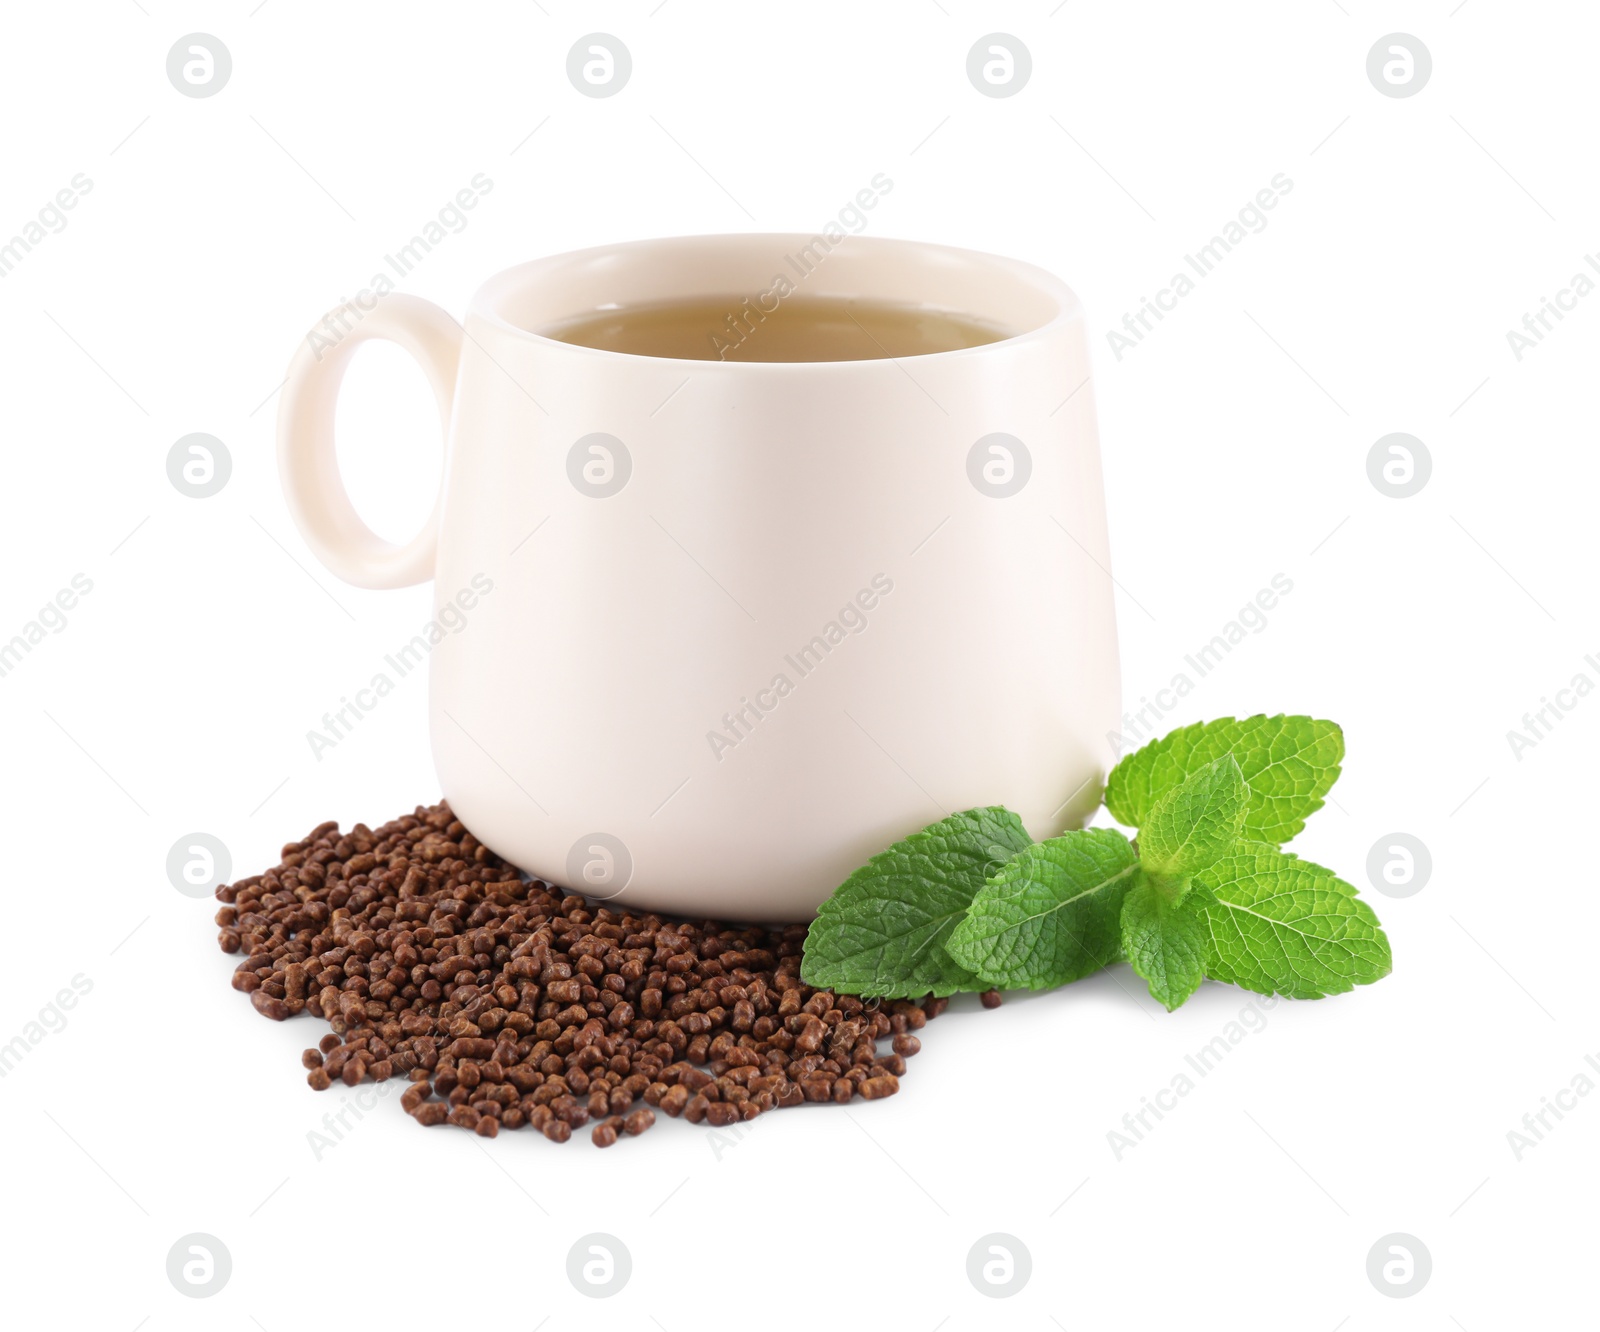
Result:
[{"x": 971, "y": 902}]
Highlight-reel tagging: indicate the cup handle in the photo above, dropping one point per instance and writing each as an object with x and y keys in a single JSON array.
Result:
[{"x": 308, "y": 467}]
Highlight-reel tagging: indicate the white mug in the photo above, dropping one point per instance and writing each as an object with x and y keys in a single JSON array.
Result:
[{"x": 714, "y": 633}]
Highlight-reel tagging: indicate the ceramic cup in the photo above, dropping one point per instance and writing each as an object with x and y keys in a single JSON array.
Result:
[{"x": 709, "y": 634}]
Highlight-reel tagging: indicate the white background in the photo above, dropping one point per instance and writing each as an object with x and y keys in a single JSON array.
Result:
[{"x": 1418, "y": 231}]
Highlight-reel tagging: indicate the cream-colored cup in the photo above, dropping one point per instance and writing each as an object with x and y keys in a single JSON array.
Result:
[{"x": 713, "y": 633}]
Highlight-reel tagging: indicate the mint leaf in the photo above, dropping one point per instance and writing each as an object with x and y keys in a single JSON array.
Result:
[
  {"x": 1049, "y": 916},
  {"x": 1195, "y": 822},
  {"x": 1281, "y": 925},
  {"x": 882, "y": 932},
  {"x": 1164, "y": 941},
  {"x": 1289, "y": 764}
]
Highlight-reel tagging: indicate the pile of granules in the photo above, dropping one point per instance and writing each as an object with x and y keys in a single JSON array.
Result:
[{"x": 505, "y": 1003}]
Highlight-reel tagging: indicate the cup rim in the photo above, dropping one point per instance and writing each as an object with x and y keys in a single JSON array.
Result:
[{"x": 487, "y": 304}]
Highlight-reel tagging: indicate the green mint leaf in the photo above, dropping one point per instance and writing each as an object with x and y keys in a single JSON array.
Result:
[
  {"x": 1195, "y": 822},
  {"x": 1165, "y": 942},
  {"x": 1289, "y": 764},
  {"x": 882, "y": 932},
  {"x": 1049, "y": 916},
  {"x": 1281, "y": 925}
]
